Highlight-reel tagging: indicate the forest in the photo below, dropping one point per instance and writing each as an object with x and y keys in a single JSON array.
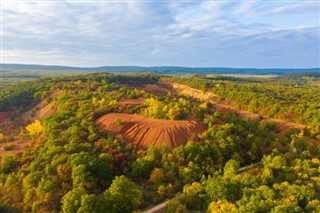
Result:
[
  {"x": 72, "y": 164},
  {"x": 16, "y": 73}
]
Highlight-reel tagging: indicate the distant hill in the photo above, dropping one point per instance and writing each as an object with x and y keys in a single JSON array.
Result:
[
  {"x": 302, "y": 75},
  {"x": 163, "y": 70}
]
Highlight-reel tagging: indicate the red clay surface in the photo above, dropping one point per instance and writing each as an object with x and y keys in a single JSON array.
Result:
[
  {"x": 5, "y": 116},
  {"x": 143, "y": 132},
  {"x": 150, "y": 88},
  {"x": 19, "y": 146},
  {"x": 127, "y": 101},
  {"x": 8, "y": 127},
  {"x": 44, "y": 111}
]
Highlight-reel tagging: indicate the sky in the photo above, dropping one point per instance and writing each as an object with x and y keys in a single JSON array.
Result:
[{"x": 242, "y": 34}]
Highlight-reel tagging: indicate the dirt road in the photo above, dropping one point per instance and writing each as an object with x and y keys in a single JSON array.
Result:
[{"x": 157, "y": 209}]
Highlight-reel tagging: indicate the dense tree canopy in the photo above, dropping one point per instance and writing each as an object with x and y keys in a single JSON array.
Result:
[{"x": 233, "y": 166}]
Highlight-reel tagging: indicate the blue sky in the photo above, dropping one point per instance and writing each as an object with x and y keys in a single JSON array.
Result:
[{"x": 261, "y": 34}]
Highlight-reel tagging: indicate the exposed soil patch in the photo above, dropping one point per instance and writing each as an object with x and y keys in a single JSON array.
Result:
[
  {"x": 44, "y": 110},
  {"x": 143, "y": 132},
  {"x": 5, "y": 116},
  {"x": 9, "y": 124},
  {"x": 18, "y": 146},
  {"x": 250, "y": 116},
  {"x": 6, "y": 123},
  {"x": 283, "y": 125},
  {"x": 224, "y": 109},
  {"x": 156, "y": 89},
  {"x": 195, "y": 93},
  {"x": 12, "y": 128},
  {"x": 127, "y": 101}
]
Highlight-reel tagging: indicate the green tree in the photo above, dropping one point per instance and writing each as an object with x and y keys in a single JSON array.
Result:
[
  {"x": 93, "y": 204},
  {"x": 141, "y": 167},
  {"x": 80, "y": 175},
  {"x": 175, "y": 206},
  {"x": 71, "y": 202},
  {"x": 124, "y": 195},
  {"x": 261, "y": 199},
  {"x": 230, "y": 169},
  {"x": 218, "y": 188},
  {"x": 156, "y": 176},
  {"x": 8, "y": 163},
  {"x": 194, "y": 195},
  {"x": 100, "y": 167},
  {"x": 313, "y": 206}
]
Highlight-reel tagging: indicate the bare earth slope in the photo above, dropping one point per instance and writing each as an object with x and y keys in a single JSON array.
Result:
[
  {"x": 223, "y": 109},
  {"x": 143, "y": 132},
  {"x": 45, "y": 109},
  {"x": 8, "y": 126}
]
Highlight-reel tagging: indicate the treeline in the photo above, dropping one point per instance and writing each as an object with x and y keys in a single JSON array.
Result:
[
  {"x": 21, "y": 96},
  {"x": 312, "y": 75}
]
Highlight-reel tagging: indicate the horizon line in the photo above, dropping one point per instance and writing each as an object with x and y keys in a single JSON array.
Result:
[{"x": 154, "y": 66}]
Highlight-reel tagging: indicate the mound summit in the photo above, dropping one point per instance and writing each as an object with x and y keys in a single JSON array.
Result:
[{"x": 143, "y": 132}]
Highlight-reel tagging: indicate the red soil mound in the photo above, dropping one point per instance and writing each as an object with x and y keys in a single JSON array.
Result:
[{"x": 143, "y": 132}]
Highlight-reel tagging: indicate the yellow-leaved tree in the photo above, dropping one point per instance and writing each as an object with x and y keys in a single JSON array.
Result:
[
  {"x": 222, "y": 206},
  {"x": 35, "y": 129},
  {"x": 157, "y": 175},
  {"x": 1, "y": 137}
]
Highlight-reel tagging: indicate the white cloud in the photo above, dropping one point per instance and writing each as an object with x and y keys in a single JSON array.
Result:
[
  {"x": 301, "y": 7},
  {"x": 193, "y": 33},
  {"x": 246, "y": 8}
]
